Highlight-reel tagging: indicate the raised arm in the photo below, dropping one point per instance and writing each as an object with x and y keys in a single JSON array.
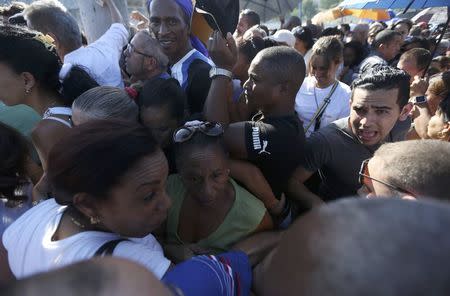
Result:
[
  {"x": 116, "y": 17},
  {"x": 224, "y": 55}
]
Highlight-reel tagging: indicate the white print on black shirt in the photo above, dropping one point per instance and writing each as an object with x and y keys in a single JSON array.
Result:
[
  {"x": 265, "y": 143},
  {"x": 257, "y": 141}
]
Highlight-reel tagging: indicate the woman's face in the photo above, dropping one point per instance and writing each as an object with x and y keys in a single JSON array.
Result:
[
  {"x": 160, "y": 122},
  {"x": 433, "y": 100},
  {"x": 323, "y": 71},
  {"x": 349, "y": 56},
  {"x": 205, "y": 174},
  {"x": 403, "y": 29},
  {"x": 12, "y": 86},
  {"x": 139, "y": 203},
  {"x": 300, "y": 46},
  {"x": 437, "y": 126}
]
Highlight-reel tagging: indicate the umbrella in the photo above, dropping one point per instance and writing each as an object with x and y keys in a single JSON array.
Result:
[
  {"x": 212, "y": 15},
  {"x": 338, "y": 12},
  {"x": 371, "y": 14},
  {"x": 268, "y": 9},
  {"x": 431, "y": 15},
  {"x": 393, "y": 4},
  {"x": 327, "y": 15}
]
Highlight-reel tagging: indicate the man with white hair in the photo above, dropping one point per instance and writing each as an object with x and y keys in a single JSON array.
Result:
[
  {"x": 409, "y": 169},
  {"x": 100, "y": 58},
  {"x": 364, "y": 247}
]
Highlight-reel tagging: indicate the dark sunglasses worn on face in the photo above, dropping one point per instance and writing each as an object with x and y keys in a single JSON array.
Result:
[
  {"x": 184, "y": 133},
  {"x": 366, "y": 180}
]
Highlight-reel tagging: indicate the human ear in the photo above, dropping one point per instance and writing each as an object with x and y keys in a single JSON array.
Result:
[
  {"x": 282, "y": 89},
  {"x": 445, "y": 133},
  {"x": 28, "y": 80},
  {"x": 405, "y": 112},
  {"x": 85, "y": 203}
]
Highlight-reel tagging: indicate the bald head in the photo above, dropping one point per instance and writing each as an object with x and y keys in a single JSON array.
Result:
[
  {"x": 421, "y": 167},
  {"x": 96, "y": 277},
  {"x": 284, "y": 65},
  {"x": 362, "y": 247}
]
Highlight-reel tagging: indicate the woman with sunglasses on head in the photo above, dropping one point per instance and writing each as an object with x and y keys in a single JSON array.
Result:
[
  {"x": 104, "y": 207},
  {"x": 210, "y": 212}
]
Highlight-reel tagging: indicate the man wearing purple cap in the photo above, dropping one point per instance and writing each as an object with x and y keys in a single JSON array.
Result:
[{"x": 170, "y": 21}]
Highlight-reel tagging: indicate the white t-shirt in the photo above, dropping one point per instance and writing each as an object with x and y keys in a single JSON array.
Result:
[
  {"x": 307, "y": 58},
  {"x": 31, "y": 249},
  {"x": 306, "y": 104},
  {"x": 101, "y": 58}
]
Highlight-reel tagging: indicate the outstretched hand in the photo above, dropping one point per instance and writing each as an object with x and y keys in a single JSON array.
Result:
[{"x": 222, "y": 51}]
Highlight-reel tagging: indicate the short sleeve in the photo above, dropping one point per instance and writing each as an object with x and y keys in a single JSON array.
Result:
[
  {"x": 148, "y": 254},
  {"x": 317, "y": 151},
  {"x": 199, "y": 83},
  {"x": 258, "y": 136}
]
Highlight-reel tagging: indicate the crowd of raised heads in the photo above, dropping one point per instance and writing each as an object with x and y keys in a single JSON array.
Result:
[{"x": 152, "y": 160}]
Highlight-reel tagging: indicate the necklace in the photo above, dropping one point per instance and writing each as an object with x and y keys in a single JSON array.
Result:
[
  {"x": 315, "y": 97},
  {"x": 77, "y": 223}
]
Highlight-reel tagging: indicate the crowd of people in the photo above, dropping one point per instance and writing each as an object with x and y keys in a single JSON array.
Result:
[{"x": 150, "y": 162}]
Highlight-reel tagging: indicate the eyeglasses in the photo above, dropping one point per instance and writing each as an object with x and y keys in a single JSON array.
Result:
[
  {"x": 184, "y": 133},
  {"x": 131, "y": 49},
  {"x": 365, "y": 179}
]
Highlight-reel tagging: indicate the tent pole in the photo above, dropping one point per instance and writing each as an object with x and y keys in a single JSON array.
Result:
[{"x": 439, "y": 41}]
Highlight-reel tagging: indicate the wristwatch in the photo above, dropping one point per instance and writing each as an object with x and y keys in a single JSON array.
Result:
[
  {"x": 220, "y": 72},
  {"x": 420, "y": 100}
]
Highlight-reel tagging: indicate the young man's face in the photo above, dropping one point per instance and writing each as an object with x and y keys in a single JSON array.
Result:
[
  {"x": 408, "y": 65},
  {"x": 373, "y": 114},
  {"x": 243, "y": 25},
  {"x": 392, "y": 48},
  {"x": 260, "y": 87}
]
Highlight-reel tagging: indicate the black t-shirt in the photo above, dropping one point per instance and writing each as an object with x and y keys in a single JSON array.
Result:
[
  {"x": 338, "y": 154},
  {"x": 275, "y": 145},
  {"x": 198, "y": 85}
]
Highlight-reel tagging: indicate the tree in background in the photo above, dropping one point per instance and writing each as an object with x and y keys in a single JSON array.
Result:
[
  {"x": 309, "y": 9},
  {"x": 96, "y": 18},
  {"x": 325, "y": 4}
]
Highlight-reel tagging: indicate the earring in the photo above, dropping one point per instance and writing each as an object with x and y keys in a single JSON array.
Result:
[
  {"x": 94, "y": 220},
  {"x": 27, "y": 91}
]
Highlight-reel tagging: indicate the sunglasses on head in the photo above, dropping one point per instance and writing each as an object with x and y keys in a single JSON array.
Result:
[
  {"x": 365, "y": 179},
  {"x": 184, "y": 133}
]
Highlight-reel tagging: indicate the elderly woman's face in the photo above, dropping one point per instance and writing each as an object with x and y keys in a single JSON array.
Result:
[
  {"x": 138, "y": 204},
  {"x": 205, "y": 174},
  {"x": 168, "y": 23}
]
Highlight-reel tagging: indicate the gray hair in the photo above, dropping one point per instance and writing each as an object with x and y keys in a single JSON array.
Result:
[
  {"x": 153, "y": 48},
  {"x": 419, "y": 166},
  {"x": 50, "y": 16},
  {"x": 362, "y": 247},
  {"x": 104, "y": 102}
]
